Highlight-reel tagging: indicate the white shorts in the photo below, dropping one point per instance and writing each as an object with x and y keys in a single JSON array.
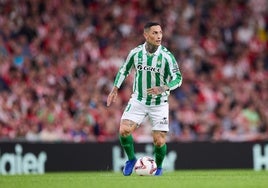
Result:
[{"x": 158, "y": 114}]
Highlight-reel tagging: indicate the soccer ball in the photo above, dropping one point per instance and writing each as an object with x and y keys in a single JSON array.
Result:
[{"x": 145, "y": 166}]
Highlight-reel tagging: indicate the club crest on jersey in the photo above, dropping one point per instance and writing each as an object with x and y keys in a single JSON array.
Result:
[{"x": 148, "y": 68}]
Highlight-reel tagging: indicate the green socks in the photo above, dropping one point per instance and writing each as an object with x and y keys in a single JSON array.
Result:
[
  {"x": 160, "y": 153},
  {"x": 127, "y": 144}
]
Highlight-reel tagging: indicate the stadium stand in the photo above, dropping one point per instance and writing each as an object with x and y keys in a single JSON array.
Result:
[{"x": 58, "y": 60}]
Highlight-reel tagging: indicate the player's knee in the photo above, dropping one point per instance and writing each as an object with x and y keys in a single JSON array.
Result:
[
  {"x": 159, "y": 138},
  {"x": 126, "y": 127},
  {"x": 159, "y": 142},
  {"x": 123, "y": 131}
]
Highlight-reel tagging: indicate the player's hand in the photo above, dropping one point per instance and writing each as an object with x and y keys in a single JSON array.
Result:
[
  {"x": 157, "y": 90},
  {"x": 112, "y": 96}
]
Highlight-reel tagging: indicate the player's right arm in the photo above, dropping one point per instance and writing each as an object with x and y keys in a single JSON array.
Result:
[
  {"x": 120, "y": 77},
  {"x": 124, "y": 70},
  {"x": 112, "y": 96}
]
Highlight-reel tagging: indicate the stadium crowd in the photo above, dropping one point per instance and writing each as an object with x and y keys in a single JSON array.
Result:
[{"x": 58, "y": 60}]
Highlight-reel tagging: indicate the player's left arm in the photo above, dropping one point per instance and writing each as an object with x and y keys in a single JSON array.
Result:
[
  {"x": 176, "y": 78},
  {"x": 175, "y": 74}
]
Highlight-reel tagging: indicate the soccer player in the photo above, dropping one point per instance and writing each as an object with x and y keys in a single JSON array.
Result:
[{"x": 156, "y": 74}]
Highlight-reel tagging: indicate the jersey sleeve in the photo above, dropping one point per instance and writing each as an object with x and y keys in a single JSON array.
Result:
[
  {"x": 124, "y": 70},
  {"x": 174, "y": 72}
]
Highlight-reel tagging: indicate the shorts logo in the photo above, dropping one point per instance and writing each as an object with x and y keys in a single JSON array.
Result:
[{"x": 164, "y": 121}]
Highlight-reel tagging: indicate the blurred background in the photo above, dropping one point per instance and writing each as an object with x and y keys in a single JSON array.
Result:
[{"x": 58, "y": 60}]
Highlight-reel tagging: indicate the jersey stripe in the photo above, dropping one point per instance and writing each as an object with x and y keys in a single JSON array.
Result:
[
  {"x": 159, "y": 63},
  {"x": 149, "y": 78},
  {"x": 140, "y": 72}
]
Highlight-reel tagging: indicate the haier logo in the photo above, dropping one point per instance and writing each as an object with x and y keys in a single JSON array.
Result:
[
  {"x": 148, "y": 68},
  {"x": 16, "y": 163}
]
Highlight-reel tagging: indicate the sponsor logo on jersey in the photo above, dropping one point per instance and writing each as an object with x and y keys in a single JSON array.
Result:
[{"x": 148, "y": 68}]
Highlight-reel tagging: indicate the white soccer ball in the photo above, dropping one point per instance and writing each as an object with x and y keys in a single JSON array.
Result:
[{"x": 145, "y": 166}]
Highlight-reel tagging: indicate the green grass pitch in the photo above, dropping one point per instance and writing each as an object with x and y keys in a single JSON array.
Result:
[{"x": 177, "y": 179}]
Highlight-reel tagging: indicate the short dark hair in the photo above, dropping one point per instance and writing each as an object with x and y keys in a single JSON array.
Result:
[{"x": 150, "y": 24}]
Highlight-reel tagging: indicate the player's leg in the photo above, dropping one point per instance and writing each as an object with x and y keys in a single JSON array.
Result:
[
  {"x": 126, "y": 140},
  {"x": 160, "y": 127},
  {"x": 160, "y": 149},
  {"x": 131, "y": 118},
  {"x": 125, "y": 137}
]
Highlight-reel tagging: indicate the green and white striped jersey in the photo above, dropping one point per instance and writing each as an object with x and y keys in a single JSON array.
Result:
[{"x": 157, "y": 69}]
